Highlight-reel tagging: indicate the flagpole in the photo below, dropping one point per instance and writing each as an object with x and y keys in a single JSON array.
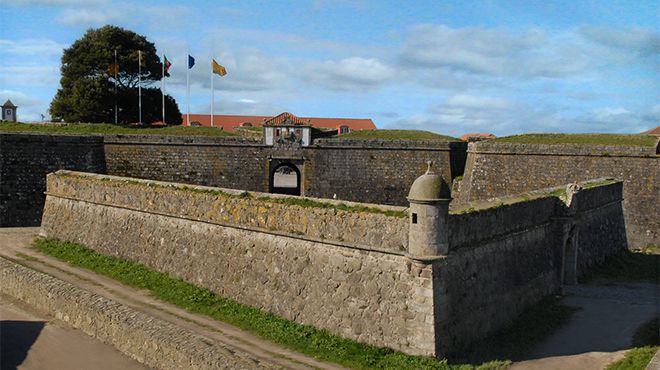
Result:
[
  {"x": 116, "y": 69},
  {"x": 188, "y": 89},
  {"x": 212, "y": 94},
  {"x": 162, "y": 87},
  {"x": 140, "y": 86}
]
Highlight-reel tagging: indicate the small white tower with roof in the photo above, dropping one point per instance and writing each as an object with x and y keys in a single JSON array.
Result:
[{"x": 9, "y": 111}]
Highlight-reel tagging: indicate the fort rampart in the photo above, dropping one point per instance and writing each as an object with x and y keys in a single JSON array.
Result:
[
  {"x": 348, "y": 280},
  {"x": 25, "y": 160},
  {"x": 499, "y": 169}
]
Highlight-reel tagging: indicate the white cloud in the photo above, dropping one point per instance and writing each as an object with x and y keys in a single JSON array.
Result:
[
  {"x": 640, "y": 42},
  {"x": 488, "y": 51},
  {"x": 347, "y": 74},
  {"x": 89, "y": 16},
  {"x": 31, "y": 47},
  {"x": 23, "y": 75}
]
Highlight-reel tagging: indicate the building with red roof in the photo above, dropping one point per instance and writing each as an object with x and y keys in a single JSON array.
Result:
[
  {"x": 229, "y": 122},
  {"x": 653, "y": 131}
]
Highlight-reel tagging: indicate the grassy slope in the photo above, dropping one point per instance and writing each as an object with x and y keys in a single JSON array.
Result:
[
  {"x": 305, "y": 339},
  {"x": 510, "y": 342},
  {"x": 636, "y": 359},
  {"x": 396, "y": 135},
  {"x": 590, "y": 139},
  {"x": 104, "y": 128}
]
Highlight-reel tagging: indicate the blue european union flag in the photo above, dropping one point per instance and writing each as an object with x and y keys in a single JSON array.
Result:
[{"x": 191, "y": 61}]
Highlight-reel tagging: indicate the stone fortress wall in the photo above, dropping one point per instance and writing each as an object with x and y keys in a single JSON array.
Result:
[
  {"x": 333, "y": 272},
  {"x": 25, "y": 160},
  {"x": 499, "y": 169},
  {"x": 371, "y": 171},
  {"x": 366, "y": 171}
]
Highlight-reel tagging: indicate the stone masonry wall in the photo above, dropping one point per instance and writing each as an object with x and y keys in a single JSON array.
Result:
[
  {"x": 373, "y": 171},
  {"x": 498, "y": 169},
  {"x": 356, "y": 224},
  {"x": 505, "y": 258},
  {"x": 25, "y": 159},
  {"x": 379, "y": 298}
]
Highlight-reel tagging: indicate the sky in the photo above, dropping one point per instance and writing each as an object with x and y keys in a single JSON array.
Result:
[{"x": 450, "y": 67}]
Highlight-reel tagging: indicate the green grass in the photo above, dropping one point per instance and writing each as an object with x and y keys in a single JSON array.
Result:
[
  {"x": 105, "y": 128},
  {"x": 589, "y": 139},
  {"x": 395, "y": 135},
  {"x": 635, "y": 359},
  {"x": 529, "y": 329},
  {"x": 305, "y": 339},
  {"x": 627, "y": 266}
]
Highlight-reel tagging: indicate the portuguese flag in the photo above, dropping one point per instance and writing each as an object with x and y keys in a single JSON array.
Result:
[{"x": 166, "y": 66}]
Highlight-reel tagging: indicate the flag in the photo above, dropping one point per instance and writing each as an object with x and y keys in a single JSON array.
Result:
[
  {"x": 166, "y": 66},
  {"x": 191, "y": 61},
  {"x": 218, "y": 69},
  {"x": 113, "y": 69}
]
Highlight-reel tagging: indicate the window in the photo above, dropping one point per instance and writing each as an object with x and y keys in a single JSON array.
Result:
[
  {"x": 8, "y": 112},
  {"x": 344, "y": 129},
  {"x": 414, "y": 218}
]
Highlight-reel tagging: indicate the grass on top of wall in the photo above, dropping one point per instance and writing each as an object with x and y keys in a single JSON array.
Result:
[
  {"x": 302, "y": 338},
  {"x": 395, "y": 135},
  {"x": 589, "y": 139},
  {"x": 106, "y": 128},
  {"x": 297, "y": 201}
]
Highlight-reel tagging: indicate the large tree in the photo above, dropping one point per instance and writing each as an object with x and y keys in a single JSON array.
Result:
[{"x": 88, "y": 90}]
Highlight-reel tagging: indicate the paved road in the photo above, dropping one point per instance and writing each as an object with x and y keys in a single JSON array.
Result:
[
  {"x": 600, "y": 332},
  {"x": 15, "y": 242},
  {"x": 31, "y": 340}
]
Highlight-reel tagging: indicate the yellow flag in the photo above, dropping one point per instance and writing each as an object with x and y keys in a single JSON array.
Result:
[{"x": 218, "y": 69}]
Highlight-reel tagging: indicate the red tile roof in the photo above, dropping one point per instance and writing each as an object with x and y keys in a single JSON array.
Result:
[
  {"x": 282, "y": 117},
  {"x": 653, "y": 131},
  {"x": 476, "y": 136},
  {"x": 229, "y": 122}
]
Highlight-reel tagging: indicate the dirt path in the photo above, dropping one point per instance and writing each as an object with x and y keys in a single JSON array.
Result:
[
  {"x": 600, "y": 332},
  {"x": 32, "y": 340},
  {"x": 15, "y": 242}
]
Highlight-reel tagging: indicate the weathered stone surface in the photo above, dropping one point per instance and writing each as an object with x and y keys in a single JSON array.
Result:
[
  {"x": 358, "y": 294},
  {"x": 500, "y": 261},
  {"x": 151, "y": 341},
  {"x": 498, "y": 169},
  {"x": 258, "y": 211},
  {"x": 25, "y": 159}
]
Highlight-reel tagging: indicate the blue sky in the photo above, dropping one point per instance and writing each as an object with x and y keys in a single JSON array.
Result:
[{"x": 446, "y": 66}]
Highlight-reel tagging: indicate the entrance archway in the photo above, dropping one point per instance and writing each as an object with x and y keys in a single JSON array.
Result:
[{"x": 285, "y": 179}]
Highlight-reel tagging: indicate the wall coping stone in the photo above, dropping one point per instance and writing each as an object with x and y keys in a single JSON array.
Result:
[{"x": 589, "y": 150}]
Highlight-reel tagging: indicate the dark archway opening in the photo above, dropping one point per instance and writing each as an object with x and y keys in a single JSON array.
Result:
[{"x": 285, "y": 179}]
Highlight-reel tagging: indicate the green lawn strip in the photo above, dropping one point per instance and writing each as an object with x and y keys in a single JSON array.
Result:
[
  {"x": 105, "y": 128},
  {"x": 515, "y": 341},
  {"x": 590, "y": 139},
  {"x": 627, "y": 266},
  {"x": 395, "y": 135},
  {"x": 305, "y": 339},
  {"x": 310, "y": 203},
  {"x": 635, "y": 359}
]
